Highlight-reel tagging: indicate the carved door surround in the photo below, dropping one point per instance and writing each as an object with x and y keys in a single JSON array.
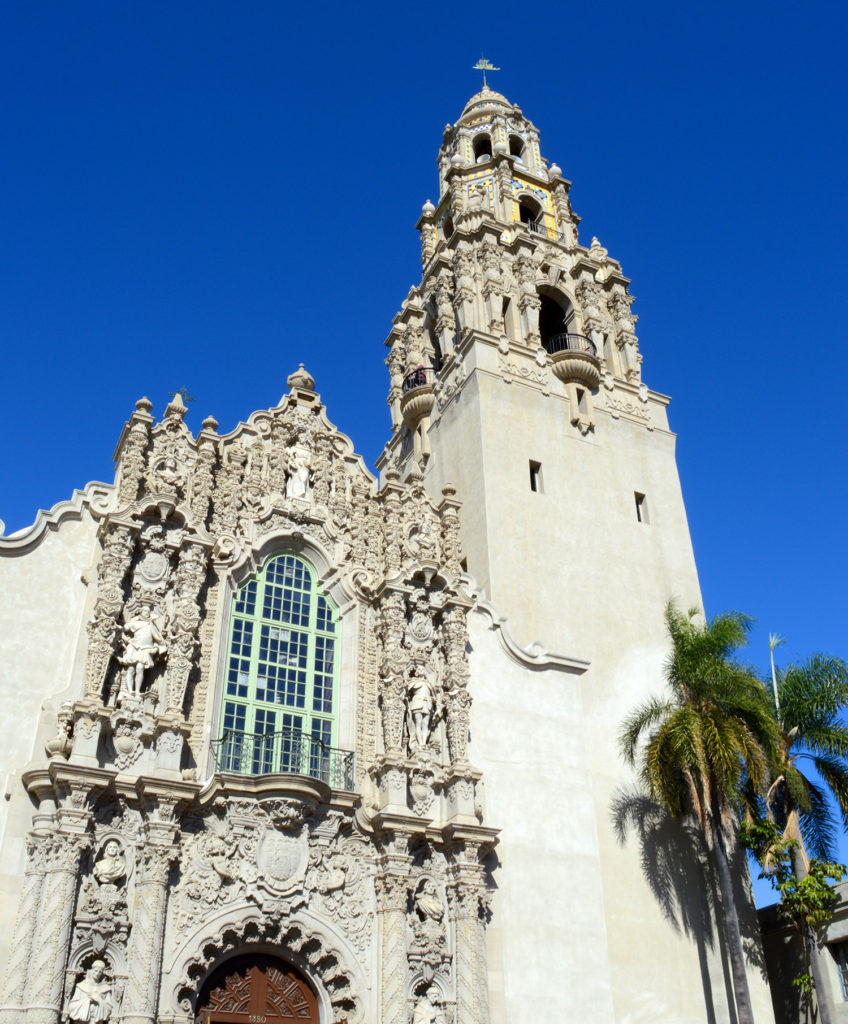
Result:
[{"x": 256, "y": 989}]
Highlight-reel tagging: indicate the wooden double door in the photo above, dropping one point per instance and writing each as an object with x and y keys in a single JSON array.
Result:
[{"x": 256, "y": 990}]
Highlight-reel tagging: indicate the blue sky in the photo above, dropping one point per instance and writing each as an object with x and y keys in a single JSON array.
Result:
[{"x": 207, "y": 193}]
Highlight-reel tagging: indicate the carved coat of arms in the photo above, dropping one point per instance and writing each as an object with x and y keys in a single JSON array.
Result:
[{"x": 281, "y": 859}]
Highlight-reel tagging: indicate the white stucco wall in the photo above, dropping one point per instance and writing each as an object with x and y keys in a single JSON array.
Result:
[
  {"x": 571, "y": 566},
  {"x": 43, "y": 600}
]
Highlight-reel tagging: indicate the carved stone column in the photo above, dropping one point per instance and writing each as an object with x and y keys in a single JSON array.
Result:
[
  {"x": 52, "y": 931},
  {"x": 467, "y": 910},
  {"x": 15, "y": 989},
  {"x": 144, "y": 956},
  {"x": 391, "y": 908},
  {"x": 118, "y": 543}
]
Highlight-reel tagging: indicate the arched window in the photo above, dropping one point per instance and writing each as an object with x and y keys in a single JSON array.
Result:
[
  {"x": 554, "y": 321},
  {"x": 281, "y": 685},
  {"x": 516, "y": 146},
  {"x": 530, "y": 213},
  {"x": 482, "y": 148}
]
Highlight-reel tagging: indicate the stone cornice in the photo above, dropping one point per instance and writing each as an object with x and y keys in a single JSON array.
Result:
[
  {"x": 95, "y": 496},
  {"x": 535, "y": 656}
]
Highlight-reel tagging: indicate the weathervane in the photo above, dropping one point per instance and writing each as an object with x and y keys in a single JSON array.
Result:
[
  {"x": 484, "y": 66},
  {"x": 183, "y": 393}
]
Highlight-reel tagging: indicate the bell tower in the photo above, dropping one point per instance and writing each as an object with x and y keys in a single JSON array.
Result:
[
  {"x": 516, "y": 375},
  {"x": 516, "y": 378}
]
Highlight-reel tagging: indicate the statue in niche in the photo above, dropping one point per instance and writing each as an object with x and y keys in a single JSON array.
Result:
[
  {"x": 91, "y": 1001},
  {"x": 421, "y": 702},
  {"x": 297, "y": 484},
  {"x": 428, "y": 1009},
  {"x": 143, "y": 644},
  {"x": 111, "y": 869}
]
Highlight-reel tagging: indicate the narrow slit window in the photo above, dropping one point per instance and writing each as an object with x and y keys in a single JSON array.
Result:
[
  {"x": 839, "y": 951},
  {"x": 641, "y": 507},
  {"x": 535, "y": 476}
]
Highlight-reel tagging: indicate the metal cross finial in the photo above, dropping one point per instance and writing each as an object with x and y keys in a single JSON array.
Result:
[
  {"x": 484, "y": 66},
  {"x": 183, "y": 393}
]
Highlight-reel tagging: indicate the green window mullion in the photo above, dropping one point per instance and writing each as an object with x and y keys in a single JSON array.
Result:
[{"x": 306, "y": 716}]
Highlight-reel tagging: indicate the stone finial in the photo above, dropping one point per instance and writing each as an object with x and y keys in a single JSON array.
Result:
[
  {"x": 427, "y": 210},
  {"x": 555, "y": 171},
  {"x": 176, "y": 407},
  {"x": 144, "y": 404},
  {"x": 597, "y": 250},
  {"x": 301, "y": 380},
  {"x": 210, "y": 424}
]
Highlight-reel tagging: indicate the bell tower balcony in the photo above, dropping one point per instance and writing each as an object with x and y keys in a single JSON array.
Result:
[
  {"x": 418, "y": 395},
  {"x": 575, "y": 359}
]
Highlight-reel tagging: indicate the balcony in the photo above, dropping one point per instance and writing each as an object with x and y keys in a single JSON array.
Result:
[
  {"x": 537, "y": 227},
  {"x": 418, "y": 394},
  {"x": 575, "y": 359},
  {"x": 288, "y": 752}
]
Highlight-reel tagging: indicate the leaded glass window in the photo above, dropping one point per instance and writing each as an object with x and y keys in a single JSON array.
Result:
[{"x": 281, "y": 682}]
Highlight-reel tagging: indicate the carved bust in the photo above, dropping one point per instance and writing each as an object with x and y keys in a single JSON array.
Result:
[{"x": 111, "y": 869}]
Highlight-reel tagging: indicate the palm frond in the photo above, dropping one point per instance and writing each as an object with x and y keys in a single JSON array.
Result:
[
  {"x": 834, "y": 771},
  {"x": 818, "y": 826},
  {"x": 639, "y": 722}
]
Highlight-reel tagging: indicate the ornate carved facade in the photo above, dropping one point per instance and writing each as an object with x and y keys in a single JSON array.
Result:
[
  {"x": 143, "y": 869},
  {"x": 284, "y": 726}
]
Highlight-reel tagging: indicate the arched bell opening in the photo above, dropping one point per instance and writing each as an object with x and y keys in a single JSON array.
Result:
[
  {"x": 256, "y": 988},
  {"x": 482, "y": 148},
  {"x": 516, "y": 147}
]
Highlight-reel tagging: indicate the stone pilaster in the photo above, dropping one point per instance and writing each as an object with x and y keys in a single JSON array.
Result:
[
  {"x": 472, "y": 989},
  {"x": 15, "y": 988},
  {"x": 52, "y": 932},
  {"x": 392, "y": 887},
  {"x": 148, "y": 932}
]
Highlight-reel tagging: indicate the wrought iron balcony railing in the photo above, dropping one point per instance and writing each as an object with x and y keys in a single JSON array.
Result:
[
  {"x": 537, "y": 227},
  {"x": 289, "y": 751},
  {"x": 570, "y": 343},
  {"x": 418, "y": 378}
]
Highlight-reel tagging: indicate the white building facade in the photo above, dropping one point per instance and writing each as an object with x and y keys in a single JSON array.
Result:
[{"x": 283, "y": 742}]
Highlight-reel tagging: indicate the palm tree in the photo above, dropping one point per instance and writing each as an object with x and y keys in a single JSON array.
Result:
[
  {"x": 808, "y": 701},
  {"x": 696, "y": 750}
]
